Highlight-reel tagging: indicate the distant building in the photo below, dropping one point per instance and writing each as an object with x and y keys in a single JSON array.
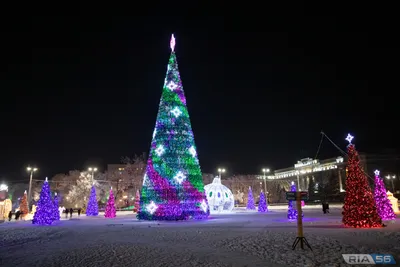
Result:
[{"x": 115, "y": 167}]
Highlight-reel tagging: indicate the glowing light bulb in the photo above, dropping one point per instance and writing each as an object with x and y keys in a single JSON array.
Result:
[
  {"x": 152, "y": 207},
  {"x": 349, "y": 138},
  {"x": 192, "y": 151},
  {"x": 177, "y": 112},
  {"x": 160, "y": 150},
  {"x": 179, "y": 177}
]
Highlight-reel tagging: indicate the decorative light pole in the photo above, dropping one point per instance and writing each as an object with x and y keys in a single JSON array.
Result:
[
  {"x": 92, "y": 170},
  {"x": 265, "y": 179},
  {"x": 31, "y": 171},
  {"x": 220, "y": 171},
  {"x": 391, "y": 178}
]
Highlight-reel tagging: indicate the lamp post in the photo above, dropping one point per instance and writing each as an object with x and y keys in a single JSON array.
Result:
[
  {"x": 92, "y": 170},
  {"x": 31, "y": 171},
  {"x": 391, "y": 178},
  {"x": 265, "y": 179},
  {"x": 220, "y": 171}
]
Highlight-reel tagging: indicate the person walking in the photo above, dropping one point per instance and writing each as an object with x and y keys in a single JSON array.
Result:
[
  {"x": 10, "y": 216},
  {"x": 70, "y": 212},
  {"x": 79, "y": 212}
]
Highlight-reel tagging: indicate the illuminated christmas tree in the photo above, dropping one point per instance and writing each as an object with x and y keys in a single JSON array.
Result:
[
  {"x": 262, "y": 205},
  {"x": 137, "y": 201},
  {"x": 250, "y": 200},
  {"x": 359, "y": 210},
  {"x": 292, "y": 212},
  {"x": 56, "y": 211},
  {"x": 92, "y": 208},
  {"x": 110, "y": 208},
  {"x": 383, "y": 205},
  {"x": 173, "y": 187},
  {"x": 44, "y": 214},
  {"x": 23, "y": 205}
]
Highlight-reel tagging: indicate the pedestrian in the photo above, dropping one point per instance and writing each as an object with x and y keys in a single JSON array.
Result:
[
  {"x": 79, "y": 212},
  {"x": 70, "y": 212},
  {"x": 324, "y": 207},
  {"x": 10, "y": 216},
  {"x": 327, "y": 207},
  {"x": 17, "y": 214},
  {"x": 66, "y": 213}
]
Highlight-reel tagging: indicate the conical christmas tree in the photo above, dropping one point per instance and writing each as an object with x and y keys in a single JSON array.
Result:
[
  {"x": 359, "y": 209},
  {"x": 250, "y": 200},
  {"x": 262, "y": 205},
  {"x": 383, "y": 205},
  {"x": 23, "y": 205},
  {"x": 137, "y": 201},
  {"x": 173, "y": 187},
  {"x": 92, "y": 206},
  {"x": 110, "y": 208},
  {"x": 56, "y": 211},
  {"x": 292, "y": 212},
  {"x": 44, "y": 211}
]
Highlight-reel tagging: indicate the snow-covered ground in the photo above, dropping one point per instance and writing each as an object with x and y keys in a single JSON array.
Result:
[{"x": 237, "y": 239}]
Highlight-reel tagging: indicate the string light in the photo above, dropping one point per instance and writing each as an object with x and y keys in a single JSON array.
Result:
[
  {"x": 383, "y": 205},
  {"x": 92, "y": 206}
]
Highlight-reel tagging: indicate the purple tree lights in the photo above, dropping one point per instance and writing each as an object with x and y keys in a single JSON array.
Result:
[
  {"x": 250, "y": 200},
  {"x": 262, "y": 205},
  {"x": 173, "y": 187},
  {"x": 44, "y": 214},
  {"x": 92, "y": 208},
  {"x": 383, "y": 205},
  {"x": 292, "y": 212},
  {"x": 56, "y": 212},
  {"x": 110, "y": 208}
]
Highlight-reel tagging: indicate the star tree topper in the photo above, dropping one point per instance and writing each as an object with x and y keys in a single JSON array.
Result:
[
  {"x": 349, "y": 138},
  {"x": 172, "y": 43},
  {"x": 376, "y": 172}
]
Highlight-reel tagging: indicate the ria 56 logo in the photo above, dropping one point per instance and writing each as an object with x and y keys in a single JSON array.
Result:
[{"x": 368, "y": 259}]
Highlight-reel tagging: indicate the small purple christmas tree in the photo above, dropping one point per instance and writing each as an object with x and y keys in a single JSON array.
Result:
[
  {"x": 92, "y": 208},
  {"x": 292, "y": 212},
  {"x": 44, "y": 214},
  {"x": 250, "y": 200},
  {"x": 110, "y": 208},
  {"x": 383, "y": 205},
  {"x": 56, "y": 212},
  {"x": 262, "y": 205}
]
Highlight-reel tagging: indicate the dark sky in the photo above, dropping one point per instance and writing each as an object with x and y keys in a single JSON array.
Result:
[{"x": 80, "y": 89}]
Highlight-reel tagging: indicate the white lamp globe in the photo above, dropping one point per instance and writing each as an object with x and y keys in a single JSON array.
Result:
[{"x": 219, "y": 197}]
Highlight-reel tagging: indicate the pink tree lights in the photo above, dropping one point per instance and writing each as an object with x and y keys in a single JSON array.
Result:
[
  {"x": 383, "y": 205},
  {"x": 110, "y": 208}
]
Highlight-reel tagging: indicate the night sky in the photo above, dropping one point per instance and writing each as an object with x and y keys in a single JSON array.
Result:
[{"x": 83, "y": 89}]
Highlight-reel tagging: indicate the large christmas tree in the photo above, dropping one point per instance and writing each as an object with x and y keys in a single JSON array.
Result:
[
  {"x": 383, "y": 205},
  {"x": 110, "y": 211},
  {"x": 92, "y": 208},
  {"x": 359, "y": 208},
  {"x": 44, "y": 211},
  {"x": 173, "y": 187},
  {"x": 23, "y": 205}
]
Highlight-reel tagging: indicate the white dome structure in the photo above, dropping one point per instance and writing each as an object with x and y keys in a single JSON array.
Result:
[{"x": 219, "y": 197}]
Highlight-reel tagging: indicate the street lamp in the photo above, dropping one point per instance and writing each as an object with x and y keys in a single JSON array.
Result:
[
  {"x": 220, "y": 171},
  {"x": 92, "y": 170},
  {"x": 265, "y": 179},
  {"x": 31, "y": 171},
  {"x": 391, "y": 178}
]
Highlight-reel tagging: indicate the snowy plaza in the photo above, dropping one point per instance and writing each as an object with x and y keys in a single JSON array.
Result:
[{"x": 240, "y": 238}]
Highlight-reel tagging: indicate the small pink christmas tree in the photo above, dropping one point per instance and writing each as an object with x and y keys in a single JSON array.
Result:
[
  {"x": 383, "y": 204},
  {"x": 137, "y": 202},
  {"x": 110, "y": 208}
]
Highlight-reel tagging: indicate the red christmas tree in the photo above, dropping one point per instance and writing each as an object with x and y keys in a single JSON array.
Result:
[
  {"x": 359, "y": 210},
  {"x": 23, "y": 205}
]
